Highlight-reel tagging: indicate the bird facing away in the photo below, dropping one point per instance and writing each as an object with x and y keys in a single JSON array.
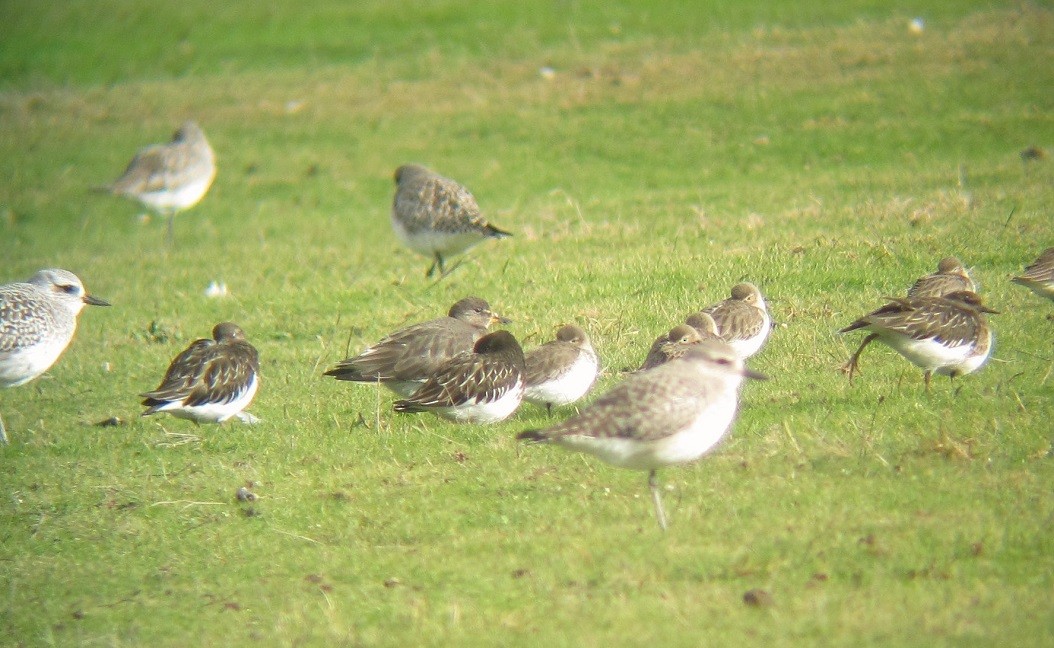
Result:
[
  {"x": 210, "y": 381},
  {"x": 668, "y": 415},
  {"x": 705, "y": 324},
  {"x": 436, "y": 216},
  {"x": 405, "y": 359},
  {"x": 950, "y": 277},
  {"x": 1039, "y": 277},
  {"x": 946, "y": 335},
  {"x": 561, "y": 371},
  {"x": 672, "y": 345},
  {"x": 743, "y": 319},
  {"x": 38, "y": 318},
  {"x": 170, "y": 178},
  {"x": 484, "y": 385}
]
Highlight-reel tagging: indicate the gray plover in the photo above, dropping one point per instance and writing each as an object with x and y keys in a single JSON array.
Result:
[
  {"x": 437, "y": 216},
  {"x": 211, "y": 380},
  {"x": 743, "y": 319},
  {"x": 170, "y": 178},
  {"x": 950, "y": 277},
  {"x": 484, "y": 385},
  {"x": 674, "y": 344},
  {"x": 671, "y": 414},
  {"x": 945, "y": 335},
  {"x": 1039, "y": 276},
  {"x": 405, "y": 359},
  {"x": 561, "y": 371},
  {"x": 38, "y": 318}
]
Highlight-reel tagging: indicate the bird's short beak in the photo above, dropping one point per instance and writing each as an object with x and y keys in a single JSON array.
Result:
[
  {"x": 750, "y": 373},
  {"x": 95, "y": 301},
  {"x": 990, "y": 310},
  {"x": 498, "y": 319}
]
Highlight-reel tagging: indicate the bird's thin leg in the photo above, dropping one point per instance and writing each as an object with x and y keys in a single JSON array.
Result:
[
  {"x": 3, "y": 432},
  {"x": 852, "y": 366},
  {"x": 171, "y": 238},
  {"x": 656, "y": 496},
  {"x": 437, "y": 264},
  {"x": 926, "y": 376}
]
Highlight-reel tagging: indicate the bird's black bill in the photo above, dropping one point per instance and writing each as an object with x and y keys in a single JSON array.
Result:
[{"x": 95, "y": 301}]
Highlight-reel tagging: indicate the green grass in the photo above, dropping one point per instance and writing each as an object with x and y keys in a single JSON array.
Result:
[{"x": 825, "y": 153}]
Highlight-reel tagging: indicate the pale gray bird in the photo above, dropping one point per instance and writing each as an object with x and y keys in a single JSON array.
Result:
[
  {"x": 405, "y": 359},
  {"x": 668, "y": 415},
  {"x": 38, "y": 318},
  {"x": 437, "y": 216},
  {"x": 170, "y": 178}
]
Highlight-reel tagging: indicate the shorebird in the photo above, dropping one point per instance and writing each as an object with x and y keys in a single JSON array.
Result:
[
  {"x": 170, "y": 178},
  {"x": 437, "y": 216},
  {"x": 38, "y": 318},
  {"x": 950, "y": 277},
  {"x": 946, "y": 335},
  {"x": 561, "y": 371},
  {"x": 211, "y": 380},
  {"x": 668, "y": 415},
  {"x": 482, "y": 386},
  {"x": 405, "y": 359},
  {"x": 674, "y": 344},
  {"x": 1039, "y": 276},
  {"x": 743, "y": 319}
]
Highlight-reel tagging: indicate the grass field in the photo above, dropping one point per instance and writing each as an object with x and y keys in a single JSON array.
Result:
[{"x": 830, "y": 155}]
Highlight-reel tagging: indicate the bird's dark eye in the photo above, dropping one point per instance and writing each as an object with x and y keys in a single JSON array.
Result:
[
  {"x": 69, "y": 289},
  {"x": 724, "y": 361}
]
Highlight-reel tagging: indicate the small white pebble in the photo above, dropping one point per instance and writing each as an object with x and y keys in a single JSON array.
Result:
[
  {"x": 547, "y": 73},
  {"x": 916, "y": 26}
]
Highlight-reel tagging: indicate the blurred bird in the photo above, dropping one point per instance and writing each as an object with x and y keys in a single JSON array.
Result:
[
  {"x": 1039, "y": 277},
  {"x": 950, "y": 277},
  {"x": 436, "y": 216},
  {"x": 170, "y": 178}
]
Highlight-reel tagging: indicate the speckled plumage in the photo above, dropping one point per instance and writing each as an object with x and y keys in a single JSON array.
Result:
[
  {"x": 1039, "y": 276},
  {"x": 743, "y": 319},
  {"x": 484, "y": 385},
  {"x": 437, "y": 216},
  {"x": 672, "y": 345},
  {"x": 946, "y": 335},
  {"x": 38, "y": 318},
  {"x": 172, "y": 177},
  {"x": 561, "y": 371},
  {"x": 405, "y": 359},
  {"x": 668, "y": 415},
  {"x": 211, "y": 380},
  {"x": 950, "y": 277}
]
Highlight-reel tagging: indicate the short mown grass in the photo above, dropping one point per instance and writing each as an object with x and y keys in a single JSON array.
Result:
[{"x": 828, "y": 154}]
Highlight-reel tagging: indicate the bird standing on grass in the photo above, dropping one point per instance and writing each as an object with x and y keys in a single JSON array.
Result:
[
  {"x": 38, "y": 318},
  {"x": 210, "y": 381},
  {"x": 405, "y": 359},
  {"x": 484, "y": 385},
  {"x": 170, "y": 178},
  {"x": 946, "y": 335},
  {"x": 743, "y": 319},
  {"x": 561, "y": 371},
  {"x": 668, "y": 415},
  {"x": 437, "y": 216}
]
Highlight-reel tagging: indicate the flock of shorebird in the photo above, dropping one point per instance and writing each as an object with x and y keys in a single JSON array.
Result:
[{"x": 673, "y": 409}]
